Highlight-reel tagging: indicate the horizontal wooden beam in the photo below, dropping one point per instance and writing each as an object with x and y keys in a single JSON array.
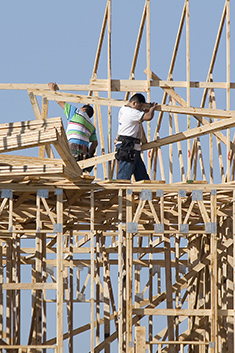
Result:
[
  {"x": 67, "y": 97},
  {"x": 14, "y": 160},
  {"x": 31, "y": 286},
  {"x": 180, "y": 312},
  {"x": 117, "y": 85},
  {"x": 212, "y": 113},
  {"x": 75, "y": 98},
  {"x": 28, "y": 348},
  {"x": 43, "y": 170}
]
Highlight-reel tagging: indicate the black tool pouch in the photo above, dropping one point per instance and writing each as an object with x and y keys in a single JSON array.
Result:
[{"x": 126, "y": 151}]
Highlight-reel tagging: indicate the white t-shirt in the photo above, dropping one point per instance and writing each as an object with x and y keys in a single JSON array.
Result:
[{"x": 129, "y": 123}]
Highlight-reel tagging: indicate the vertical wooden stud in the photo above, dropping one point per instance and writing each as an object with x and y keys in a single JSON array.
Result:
[
  {"x": 120, "y": 273},
  {"x": 214, "y": 279},
  {"x": 92, "y": 223},
  {"x": 129, "y": 339},
  {"x": 109, "y": 84},
  {"x": 140, "y": 337},
  {"x": 59, "y": 267},
  {"x": 148, "y": 75},
  {"x": 188, "y": 83}
]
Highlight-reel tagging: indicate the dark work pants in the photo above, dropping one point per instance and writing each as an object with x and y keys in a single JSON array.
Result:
[{"x": 126, "y": 169}]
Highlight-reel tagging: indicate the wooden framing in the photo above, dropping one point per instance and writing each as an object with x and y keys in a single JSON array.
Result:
[
  {"x": 195, "y": 213},
  {"x": 92, "y": 264}
]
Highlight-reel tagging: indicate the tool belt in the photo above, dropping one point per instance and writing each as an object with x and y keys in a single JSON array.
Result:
[{"x": 126, "y": 151}]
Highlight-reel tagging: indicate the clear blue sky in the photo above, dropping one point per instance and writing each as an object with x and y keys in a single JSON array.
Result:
[{"x": 54, "y": 40}]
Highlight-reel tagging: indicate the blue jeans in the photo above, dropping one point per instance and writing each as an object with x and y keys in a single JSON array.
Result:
[{"x": 126, "y": 169}]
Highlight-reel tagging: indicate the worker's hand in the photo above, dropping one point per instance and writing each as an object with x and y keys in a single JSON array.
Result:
[
  {"x": 153, "y": 105},
  {"x": 53, "y": 86},
  {"x": 149, "y": 114}
]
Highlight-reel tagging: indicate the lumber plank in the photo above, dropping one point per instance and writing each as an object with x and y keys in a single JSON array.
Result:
[
  {"x": 62, "y": 147},
  {"x": 208, "y": 112},
  {"x": 21, "y": 127},
  {"x": 15, "y": 160},
  {"x": 101, "y": 85},
  {"x": 198, "y": 131},
  {"x": 27, "y": 140}
]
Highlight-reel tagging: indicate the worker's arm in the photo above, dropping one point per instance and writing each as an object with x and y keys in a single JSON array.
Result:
[
  {"x": 92, "y": 148},
  {"x": 53, "y": 87},
  {"x": 150, "y": 113}
]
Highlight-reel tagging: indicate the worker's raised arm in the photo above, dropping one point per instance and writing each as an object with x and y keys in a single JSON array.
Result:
[
  {"x": 53, "y": 87},
  {"x": 150, "y": 113}
]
